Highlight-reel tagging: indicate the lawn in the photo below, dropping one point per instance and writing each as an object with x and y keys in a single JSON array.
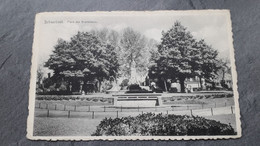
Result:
[
  {"x": 82, "y": 123},
  {"x": 61, "y": 126},
  {"x": 205, "y": 102},
  {"x": 64, "y": 126}
]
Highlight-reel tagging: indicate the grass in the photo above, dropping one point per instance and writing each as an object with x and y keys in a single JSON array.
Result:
[
  {"x": 64, "y": 126},
  {"x": 207, "y": 102},
  {"x": 82, "y": 124},
  {"x": 72, "y": 102},
  {"x": 44, "y": 126}
]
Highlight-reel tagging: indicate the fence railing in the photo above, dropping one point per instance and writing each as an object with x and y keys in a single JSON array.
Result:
[
  {"x": 172, "y": 107},
  {"x": 58, "y": 110}
]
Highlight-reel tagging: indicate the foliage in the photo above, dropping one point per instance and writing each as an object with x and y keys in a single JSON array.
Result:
[
  {"x": 134, "y": 47},
  {"x": 85, "y": 57},
  {"x": 39, "y": 75},
  {"x": 74, "y": 97},
  {"x": 180, "y": 56},
  {"x": 161, "y": 125},
  {"x": 175, "y": 56},
  {"x": 198, "y": 97},
  {"x": 130, "y": 46},
  {"x": 124, "y": 83},
  {"x": 208, "y": 65}
]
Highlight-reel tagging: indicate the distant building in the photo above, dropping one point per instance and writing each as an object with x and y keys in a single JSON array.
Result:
[
  {"x": 176, "y": 87},
  {"x": 193, "y": 84}
]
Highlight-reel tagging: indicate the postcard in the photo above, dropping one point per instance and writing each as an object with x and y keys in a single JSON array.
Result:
[{"x": 133, "y": 75}]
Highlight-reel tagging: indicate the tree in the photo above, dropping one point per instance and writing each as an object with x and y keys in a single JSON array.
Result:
[
  {"x": 39, "y": 75},
  {"x": 224, "y": 72},
  {"x": 205, "y": 63},
  {"x": 158, "y": 72},
  {"x": 111, "y": 38},
  {"x": 134, "y": 48},
  {"x": 130, "y": 46},
  {"x": 180, "y": 56},
  {"x": 175, "y": 54},
  {"x": 84, "y": 58},
  {"x": 39, "y": 87},
  {"x": 225, "y": 68}
]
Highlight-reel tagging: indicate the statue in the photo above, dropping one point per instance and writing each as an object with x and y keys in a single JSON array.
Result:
[{"x": 133, "y": 74}]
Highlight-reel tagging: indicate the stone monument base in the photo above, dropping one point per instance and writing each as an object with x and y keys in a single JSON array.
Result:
[{"x": 137, "y": 100}]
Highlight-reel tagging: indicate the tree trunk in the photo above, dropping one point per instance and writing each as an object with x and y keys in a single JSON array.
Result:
[
  {"x": 223, "y": 77},
  {"x": 99, "y": 86},
  {"x": 200, "y": 83},
  {"x": 165, "y": 85},
  {"x": 130, "y": 66},
  {"x": 182, "y": 79},
  {"x": 116, "y": 79}
]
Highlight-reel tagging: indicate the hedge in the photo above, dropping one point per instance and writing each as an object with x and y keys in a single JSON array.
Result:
[{"x": 161, "y": 125}]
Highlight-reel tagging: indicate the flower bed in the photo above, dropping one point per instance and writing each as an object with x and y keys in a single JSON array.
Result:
[
  {"x": 195, "y": 97},
  {"x": 73, "y": 97},
  {"x": 161, "y": 125}
]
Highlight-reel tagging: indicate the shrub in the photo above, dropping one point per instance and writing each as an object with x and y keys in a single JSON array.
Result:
[
  {"x": 207, "y": 96},
  {"x": 124, "y": 83},
  {"x": 161, "y": 125},
  {"x": 66, "y": 98},
  {"x": 95, "y": 100},
  {"x": 103, "y": 100},
  {"x": 62, "y": 87},
  {"x": 230, "y": 95},
  {"x": 72, "y": 98}
]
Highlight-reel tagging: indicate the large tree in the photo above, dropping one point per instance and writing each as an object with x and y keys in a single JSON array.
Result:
[
  {"x": 180, "y": 56},
  {"x": 157, "y": 70},
  {"x": 85, "y": 57},
  {"x": 111, "y": 38},
  {"x": 134, "y": 47},
  {"x": 175, "y": 53},
  {"x": 204, "y": 61}
]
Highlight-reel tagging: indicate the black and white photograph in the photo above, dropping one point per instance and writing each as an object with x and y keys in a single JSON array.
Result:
[{"x": 133, "y": 75}]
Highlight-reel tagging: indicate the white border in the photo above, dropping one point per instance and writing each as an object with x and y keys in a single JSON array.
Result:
[{"x": 32, "y": 90}]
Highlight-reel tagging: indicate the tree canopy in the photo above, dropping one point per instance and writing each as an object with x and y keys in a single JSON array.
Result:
[
  {"x": 135, "y": 47},
  {"x": 102, "y": 54},
  {"x": 85, "y": 56},
  {"x": 180, "y": 56}
]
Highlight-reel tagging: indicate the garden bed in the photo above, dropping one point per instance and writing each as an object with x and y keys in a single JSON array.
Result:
[{"x": 73, "y": 98}]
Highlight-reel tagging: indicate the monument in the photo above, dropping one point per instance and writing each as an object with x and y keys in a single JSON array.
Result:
[
  {"x": 136, "y": 97},
  {"x": 133, "y": 75}
]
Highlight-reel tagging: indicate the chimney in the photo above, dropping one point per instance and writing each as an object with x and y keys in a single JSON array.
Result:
[{"x": 49, "y": 75}]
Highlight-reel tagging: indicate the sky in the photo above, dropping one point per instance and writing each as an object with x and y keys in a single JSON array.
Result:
[{"x": 212, "y": 26}]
